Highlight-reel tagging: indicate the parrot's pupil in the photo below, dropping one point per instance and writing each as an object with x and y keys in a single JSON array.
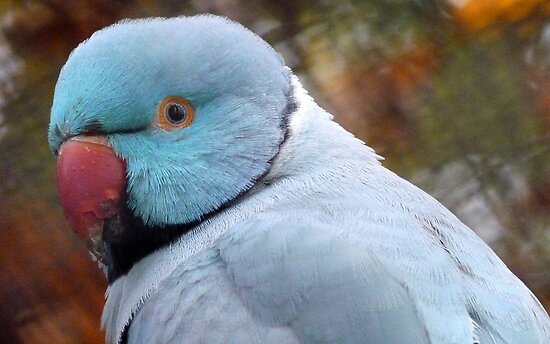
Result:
[{"x": 176, "y": 113}]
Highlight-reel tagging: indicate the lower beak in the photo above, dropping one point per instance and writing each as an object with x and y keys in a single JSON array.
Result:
[
  {"x": 98, "y": 248},
  {"x": 91, "y": 179}
]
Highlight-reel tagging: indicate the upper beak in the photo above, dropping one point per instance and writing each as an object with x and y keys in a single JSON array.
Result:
[{"x": 91, "y": 180}]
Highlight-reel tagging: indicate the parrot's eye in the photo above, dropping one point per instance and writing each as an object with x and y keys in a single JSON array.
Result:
[{"x": 174, "y": 113}]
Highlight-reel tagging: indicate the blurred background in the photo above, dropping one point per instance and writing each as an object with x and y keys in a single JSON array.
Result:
[{"x": 455, "y": 94}]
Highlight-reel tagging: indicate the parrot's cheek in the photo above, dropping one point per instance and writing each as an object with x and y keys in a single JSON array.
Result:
[{"x": 91, "y": 181}]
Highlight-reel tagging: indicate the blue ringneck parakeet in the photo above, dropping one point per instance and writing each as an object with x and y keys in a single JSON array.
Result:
[{"x": 227, "y": 207}]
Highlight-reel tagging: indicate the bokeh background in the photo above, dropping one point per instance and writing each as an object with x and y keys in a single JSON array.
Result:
[{"x": 455, "y": 94}]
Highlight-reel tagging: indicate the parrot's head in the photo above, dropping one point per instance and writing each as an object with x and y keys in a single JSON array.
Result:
[{"x": 158, "y": 123}]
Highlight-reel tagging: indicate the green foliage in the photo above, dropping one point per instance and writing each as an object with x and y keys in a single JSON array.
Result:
[
  {"x": 367, "y": 30},
  {"x": 478, "y": 106},
  {"x": 28, "y": 172}
]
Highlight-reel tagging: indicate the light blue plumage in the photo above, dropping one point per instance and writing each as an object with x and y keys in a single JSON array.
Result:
[
  {"x": 297, "y": 234},
  {"x": 115, "y": 81}
]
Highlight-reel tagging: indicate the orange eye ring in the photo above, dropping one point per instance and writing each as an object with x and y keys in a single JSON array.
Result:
[{"x": 174, "y": 113}]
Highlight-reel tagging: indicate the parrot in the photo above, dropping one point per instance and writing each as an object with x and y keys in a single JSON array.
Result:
[{"x": 226, "y": 206}]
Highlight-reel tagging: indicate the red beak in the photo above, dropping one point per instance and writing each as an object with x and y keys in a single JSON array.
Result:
[{"x": 91, "y": 181}]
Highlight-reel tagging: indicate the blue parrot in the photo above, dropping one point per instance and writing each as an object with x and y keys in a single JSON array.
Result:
[{"x": 227, "y": 207}]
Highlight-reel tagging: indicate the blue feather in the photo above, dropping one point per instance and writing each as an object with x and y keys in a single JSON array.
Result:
[{"x": 115, "y": 81}]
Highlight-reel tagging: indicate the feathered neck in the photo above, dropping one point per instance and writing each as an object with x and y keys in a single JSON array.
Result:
[
  {"x": 315, "y": 142},
  {"x": 307, "y": 155}
]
